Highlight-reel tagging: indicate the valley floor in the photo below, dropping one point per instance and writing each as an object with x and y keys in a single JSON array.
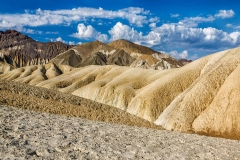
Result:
[{"x": 28, "y": 134}]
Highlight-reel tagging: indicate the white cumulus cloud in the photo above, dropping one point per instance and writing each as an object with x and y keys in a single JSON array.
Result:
[
  {"x": 59, "y": 39},
  {"x": 122, "y": 31},
  {"x": 225, "y": 14},
  {"x": 153, "y": 25},
  {"x": 196, "y": 37},
  {"x": 154, "y": 20},
  {"x": 194, "y": 21},
  {"x": 134, "y": 15},
  {"x": 88, "y": 32}
]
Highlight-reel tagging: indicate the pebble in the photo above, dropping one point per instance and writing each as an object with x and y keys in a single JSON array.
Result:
[{"x": 42, "y": 153}]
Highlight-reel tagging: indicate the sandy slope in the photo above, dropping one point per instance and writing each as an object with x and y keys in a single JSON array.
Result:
[
  {"x": 5, "y": 67},
  {"x": 32, "y": 135},
  {"x": 50, "y": 101},
  {"x": 201, "y": 97}
]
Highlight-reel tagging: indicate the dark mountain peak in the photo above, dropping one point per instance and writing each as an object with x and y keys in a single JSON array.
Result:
[
  {"x": 11, "y": 38},
  {"x": 23, "y": 50},
  {"x": 11, "y": 32}
]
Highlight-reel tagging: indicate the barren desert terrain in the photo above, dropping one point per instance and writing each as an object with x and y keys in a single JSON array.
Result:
[{"x": 116, "y": 101}]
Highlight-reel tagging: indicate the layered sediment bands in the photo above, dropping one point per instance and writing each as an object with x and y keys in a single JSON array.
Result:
[
  {"x": 34, "y": 74},
  {"x": 200, "y": 97},
  {"x": 84, "y": 54},
  {"x": 94, "y": 59},
  {"x": 145, "y": 93},
  {"x": 156, "y": 96},
  {"x": 146, "y": 57},
  {"x": 121, "y": 58},
  {"x": 221, "y": 118},
  {"x": 22, "y": 50},
  {"x": 34, "y": 53},
  {"x": 195, "y": 110},
  {"x": 70, "y": 57},
  {"x": 119, "y": 52}
]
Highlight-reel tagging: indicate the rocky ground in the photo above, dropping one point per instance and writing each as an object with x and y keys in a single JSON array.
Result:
[{"x": 28, "y": 134}]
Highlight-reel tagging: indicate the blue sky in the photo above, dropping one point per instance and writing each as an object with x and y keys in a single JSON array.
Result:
[{"x": 182, "y": 28}]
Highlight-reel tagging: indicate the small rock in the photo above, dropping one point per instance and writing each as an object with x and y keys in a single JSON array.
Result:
[
  {"x": 31, "y": 152},
  {"x": 42, "y": 153},
  {"x": 58, "y": 149}
]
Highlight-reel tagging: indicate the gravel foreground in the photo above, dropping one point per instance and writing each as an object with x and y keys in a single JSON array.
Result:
[{"x": 27, "y": 134}]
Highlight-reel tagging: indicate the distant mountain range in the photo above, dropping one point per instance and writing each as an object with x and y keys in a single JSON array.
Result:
[
  {"x": 120, "y": 52},
  {"x": 18, "y": 50}
]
